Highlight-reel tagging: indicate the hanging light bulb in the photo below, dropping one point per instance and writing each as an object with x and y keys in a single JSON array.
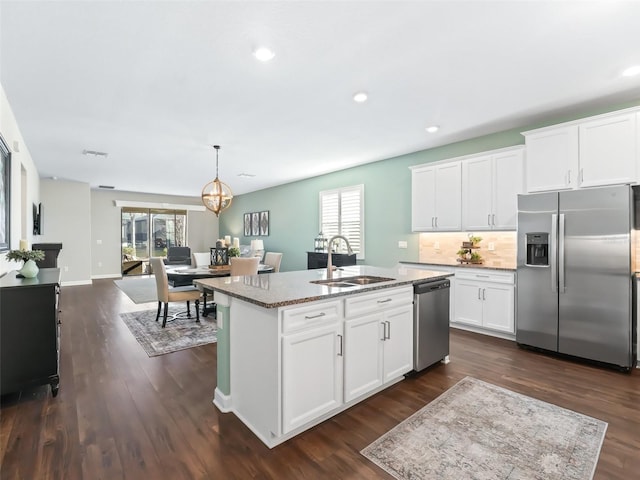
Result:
[{"x": 216, "y": 195}]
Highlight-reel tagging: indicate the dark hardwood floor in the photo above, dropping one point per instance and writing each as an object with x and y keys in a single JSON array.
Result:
[{"x": 121, "y": 414}]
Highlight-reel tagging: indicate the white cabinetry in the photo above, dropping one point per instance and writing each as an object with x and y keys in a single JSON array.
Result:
[
  {"x": 311, "y": 363},
  {"x": 491, "y": 183},
  {"x": 595, "y": 151},
  {"x": 436, "y": 197},
  {"x": 378, "y": 340},
  {"x": 485, "y": 299}
]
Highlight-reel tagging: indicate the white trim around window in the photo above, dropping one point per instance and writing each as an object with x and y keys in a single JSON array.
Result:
[{"x": 342, "y": 213}]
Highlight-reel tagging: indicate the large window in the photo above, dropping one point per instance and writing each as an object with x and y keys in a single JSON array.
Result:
[
  {"x": 342, "y": 213},
  {"x": 148, "y": 233}
]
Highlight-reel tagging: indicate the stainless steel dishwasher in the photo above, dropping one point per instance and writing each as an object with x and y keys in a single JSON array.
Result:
[{"x": 431, "y": 323}]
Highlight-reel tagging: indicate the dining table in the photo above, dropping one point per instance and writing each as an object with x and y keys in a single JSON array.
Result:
[{"x": 181, "y": 276}]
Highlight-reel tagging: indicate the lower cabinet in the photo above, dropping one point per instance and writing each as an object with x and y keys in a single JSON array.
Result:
[
  {"x": 378, "y": 348},
  {"x": 335, "y": 352},
  {"x": 311, "y": 374},
  {"x": 485, "y": 300}
]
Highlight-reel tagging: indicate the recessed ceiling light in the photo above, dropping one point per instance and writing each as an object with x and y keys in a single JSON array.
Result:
[
  {"x": 360, "y": 97},
  {"x": 246, "y": 175},
  {"x": 631, "y": 71},
  {"x": 263, "y": 54},
  {"x": 432, "y": 129}
]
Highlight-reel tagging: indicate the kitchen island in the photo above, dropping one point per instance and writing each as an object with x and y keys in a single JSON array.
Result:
[{"x": 296, "y": 348}]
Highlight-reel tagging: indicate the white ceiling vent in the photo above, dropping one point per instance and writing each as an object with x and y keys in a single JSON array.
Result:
[{"x": 95, "y": 153}]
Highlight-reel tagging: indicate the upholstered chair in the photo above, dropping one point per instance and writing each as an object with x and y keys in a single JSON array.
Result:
[
  {"x": 273, "y": 259},
  {"x": 178, "y": 256},
  {"x": 200, "y": 259},
  {"x": 244, "y": 266},
  {"x": 178, "y": 294}
]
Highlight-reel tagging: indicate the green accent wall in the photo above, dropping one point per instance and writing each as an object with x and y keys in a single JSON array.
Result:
[{"x": 294, "y": 212}]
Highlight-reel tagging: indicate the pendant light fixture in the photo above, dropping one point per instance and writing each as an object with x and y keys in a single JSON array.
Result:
[{"x": 216, "y": 196}]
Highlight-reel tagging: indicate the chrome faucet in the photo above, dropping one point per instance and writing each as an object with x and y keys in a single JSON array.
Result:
[{"x": 329, "y": 262}]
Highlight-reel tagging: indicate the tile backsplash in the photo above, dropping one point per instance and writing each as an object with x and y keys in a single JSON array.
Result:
[{"x": 442, "y": 248}]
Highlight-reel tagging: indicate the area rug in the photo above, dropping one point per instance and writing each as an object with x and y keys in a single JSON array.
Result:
[
  {"x": 139, "y": 290},
  {"x": 179, "y": 334},
  {"x": 479, "y": 431}
]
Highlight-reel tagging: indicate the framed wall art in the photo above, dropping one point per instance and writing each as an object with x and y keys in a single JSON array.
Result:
[
  {"x": 247, "y": 224},
  {"x": 264, "y": 223},
  {"x": 256, "y": 224}
]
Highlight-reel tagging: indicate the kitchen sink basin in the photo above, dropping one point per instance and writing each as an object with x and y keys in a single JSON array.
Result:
[{"x": 351, "y": 281}]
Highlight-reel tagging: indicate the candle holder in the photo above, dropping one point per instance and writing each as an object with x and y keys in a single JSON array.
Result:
[{"x": 219, "y": 256}]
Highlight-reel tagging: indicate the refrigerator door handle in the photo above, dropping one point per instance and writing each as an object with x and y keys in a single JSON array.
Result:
[
  {"x": 561, "y": 285},
  {"x": 554, "y": 253}
]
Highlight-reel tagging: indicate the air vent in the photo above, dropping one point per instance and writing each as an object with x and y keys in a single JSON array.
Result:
[
  {"x": 95, "y": 153},
  {"x": 108, "y": 187}
]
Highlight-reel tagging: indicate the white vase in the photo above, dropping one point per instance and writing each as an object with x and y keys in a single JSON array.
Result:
[{"x": 29, "y": 269}]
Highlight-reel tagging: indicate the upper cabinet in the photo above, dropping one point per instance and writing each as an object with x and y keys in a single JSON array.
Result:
[
  {"x": 436, "y": 197},
  {"x": 595, "y": 151},
  {"x": 491, "y": 183}
]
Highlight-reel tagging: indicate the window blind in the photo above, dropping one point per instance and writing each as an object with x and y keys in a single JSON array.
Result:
[{"x": 342, "y": 213}]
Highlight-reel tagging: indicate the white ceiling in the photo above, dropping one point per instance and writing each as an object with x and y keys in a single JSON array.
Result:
[{"x": 155, "y": 84}]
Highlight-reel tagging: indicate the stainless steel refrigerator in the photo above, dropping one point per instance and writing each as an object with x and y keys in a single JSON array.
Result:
[{"x": 574, "y": 292}]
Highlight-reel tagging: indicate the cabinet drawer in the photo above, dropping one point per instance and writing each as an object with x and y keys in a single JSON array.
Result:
[
  {"x": 490, "y": 276},
  {"x": 372, "y": 302},
  {"x": 309, "y": 316}
]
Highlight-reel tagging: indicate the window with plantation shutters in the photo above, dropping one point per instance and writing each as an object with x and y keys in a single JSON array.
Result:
[{"x": 342, "y": 213}]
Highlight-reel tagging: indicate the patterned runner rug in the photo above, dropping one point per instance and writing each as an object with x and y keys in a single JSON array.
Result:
[
  {"x": 179, "y": 334},
  {"x": 479, "y": 431}
]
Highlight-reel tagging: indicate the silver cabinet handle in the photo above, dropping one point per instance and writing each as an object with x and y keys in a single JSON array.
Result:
[
  {"x": 385, "y": 301},
  {"x": 432, "y": 221},
  {"x": 388, "y": 329},
  {"x": 479, "y": 275},
  {"x": 554, "y": 253},
  {"x": 321, "y": 314},
  {"x": 488, "y": 219},
  {"x": 484, "y": 290},
  {"x": 561, "y": 285},
  {"x": 581, "y": 176},
  {"x": 479, "y": 294},
  {"x": 493, "y": 219},
  {"x": 436, "y": 222},
  {"x": 568, "y": 177},
  {"x": 340, "y": 353},
  {"x": 384, "y": 331}
]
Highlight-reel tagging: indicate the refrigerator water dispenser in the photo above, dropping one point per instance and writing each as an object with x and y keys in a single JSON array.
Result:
[{"x": 537, "y": 249}]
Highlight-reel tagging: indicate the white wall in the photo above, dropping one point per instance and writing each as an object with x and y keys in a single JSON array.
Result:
[
  {"x": 21, "y": 201},
  {"x": 202, "y": 227},
  {"x": 66, "y": 219}
]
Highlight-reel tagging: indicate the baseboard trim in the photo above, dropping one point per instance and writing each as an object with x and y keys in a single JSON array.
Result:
[
  {"x": 106, "y": 275},
  {"x": 76, "y": 282}
]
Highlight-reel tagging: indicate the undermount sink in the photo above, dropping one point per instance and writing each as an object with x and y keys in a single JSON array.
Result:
[{"x": 352, "y": 281}]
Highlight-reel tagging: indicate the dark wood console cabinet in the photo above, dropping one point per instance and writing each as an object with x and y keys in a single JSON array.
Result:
[
  {"x": 319, "y": 260},
  {"x": 29, "y": 331}
]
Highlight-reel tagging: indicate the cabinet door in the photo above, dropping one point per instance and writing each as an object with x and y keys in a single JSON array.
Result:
[
  {"x": 363, "y": 355},
  {"x": 423, "y": 207},
  {"x": 498, "y": 307},
  {"x": 468, "y": 302},
  {"x": 609, "y": 151},
  {"x": 552, "y": 159},
  {"x": 448, "y": 185},
  {"x": 398, "y": 345},
  {"x": 477, "y": 188},
  {"x": 311, "y": 375},
  {"x": 508, "y": 182}
]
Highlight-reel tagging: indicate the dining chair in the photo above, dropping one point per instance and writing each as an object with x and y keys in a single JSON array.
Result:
[
  {"x": 177, "y": 294},
  {"x": 273, "y": 259},
  {"x": 244, "y": 266},
  {"x": 200, "y": 259}
]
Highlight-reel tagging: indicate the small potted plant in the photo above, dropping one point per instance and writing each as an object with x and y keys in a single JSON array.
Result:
[
  {"x": 29, "y": 257},
  {"x": 234, "y": 252}
]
